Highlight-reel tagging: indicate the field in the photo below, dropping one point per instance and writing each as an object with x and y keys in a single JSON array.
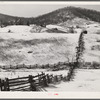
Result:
[
  {"x": 19, "y": 45},
  {"x": 34, "y": 48},
  {"x": 85, "y": 81}
]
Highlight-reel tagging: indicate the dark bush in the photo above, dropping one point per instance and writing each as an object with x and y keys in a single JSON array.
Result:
[
  {"x": 30, "y": 51},
  {"x": 95, "y": 65}
]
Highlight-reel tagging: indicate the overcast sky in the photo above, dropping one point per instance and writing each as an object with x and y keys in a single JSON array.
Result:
[{"x": 31, "y": 10}]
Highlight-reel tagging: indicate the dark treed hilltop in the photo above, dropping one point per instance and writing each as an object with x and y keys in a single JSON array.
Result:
[{"x": 55, "y": 17}]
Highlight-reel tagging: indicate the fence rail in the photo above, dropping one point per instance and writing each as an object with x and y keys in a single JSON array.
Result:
[{"x": 29, "y": 83}]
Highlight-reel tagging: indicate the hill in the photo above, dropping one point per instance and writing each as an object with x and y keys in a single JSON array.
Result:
[
  {"x": 67, "y": 13},
  {"x": 54, "y": 17},
  {"x": 13, "y": 20}
]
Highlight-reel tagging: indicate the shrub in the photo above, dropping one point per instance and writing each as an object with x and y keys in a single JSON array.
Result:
[
  {"x": 95, "y": 65},
  {"x": 9, "y": 31},
  {"x": 95, "y": 47},
  {"x": 98, "y": 41},
  {"x": 98, "y": 32},
  {"x": 71, "y": 30},
  {"x": 30, "y": 51}
]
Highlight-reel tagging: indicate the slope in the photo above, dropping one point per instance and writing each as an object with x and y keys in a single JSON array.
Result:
[{"x": 67, "y": 13}]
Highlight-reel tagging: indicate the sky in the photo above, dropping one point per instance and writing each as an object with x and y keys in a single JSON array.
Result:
[{"x": 34, "y": 10}]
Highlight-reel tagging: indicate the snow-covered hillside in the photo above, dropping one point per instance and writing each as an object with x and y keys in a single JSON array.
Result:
[
  {"x": 15, "y": 29},
  {"x": 76, "y": 22},
  {"x": 92, "y": 43},
  {"x": 21, "y": 46}
]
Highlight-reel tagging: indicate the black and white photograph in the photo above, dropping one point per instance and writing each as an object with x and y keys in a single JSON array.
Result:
[{"x": 49, "y": 47}]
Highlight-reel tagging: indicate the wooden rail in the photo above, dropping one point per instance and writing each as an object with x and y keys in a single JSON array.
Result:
[{"x": 30, "y": 83}]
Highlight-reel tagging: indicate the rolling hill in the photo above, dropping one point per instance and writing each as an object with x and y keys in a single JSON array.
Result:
[
  {"x": 67, "y": 13},
  {"x": 54, "y": 17},
  {"x": 23, "y": 44},
  {"x": 13, "y": 20}
]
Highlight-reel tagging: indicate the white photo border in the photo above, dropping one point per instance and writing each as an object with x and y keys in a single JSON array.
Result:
[{"x": 51, "y": 95}]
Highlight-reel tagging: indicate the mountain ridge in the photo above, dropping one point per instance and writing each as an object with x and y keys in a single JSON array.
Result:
[{"x": 55, "y": 17}]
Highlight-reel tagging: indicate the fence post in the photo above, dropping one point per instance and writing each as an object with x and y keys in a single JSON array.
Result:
[
  {"x": 36, "y": 66},
  {"x": 56, "y": 78},
  {"x": 7, "y": 84},
  {"x": 3, "y": 67},
  {"x": 10, "y": 66},
  {"x": 42, "y": 66},
  {"x": 51, "y": 79},
  {"x": 2, "y": 85},
  {"x": 42, "y": 73},
  {"x": 39, "y": 78},
  {"x": 48, "y": 78},
  {"x": 44, "y": 80},
  {"x": 16, "y": 66},
  {"x": 32, "y": 84},
  {"x": 30, "y": 81},
  {"x": 48, "y": 65},
  {"x": 61, "y": 77}
]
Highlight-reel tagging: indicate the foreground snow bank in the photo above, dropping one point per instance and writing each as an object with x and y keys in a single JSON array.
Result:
[{"x": 85, "y": 80}]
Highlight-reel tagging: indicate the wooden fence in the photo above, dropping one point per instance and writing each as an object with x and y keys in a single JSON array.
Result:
[
  {"x": 29, "y": 83},
  {"x": 56, "y": 66},
  {"x": 53, "y": 67},
  {"x": 79, "y": 53}
]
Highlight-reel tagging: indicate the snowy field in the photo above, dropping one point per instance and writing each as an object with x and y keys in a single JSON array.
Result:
[
  {"x": 92, "y": 43},
  {"x": 21, "y": 46},
  {"x": 85, "y": 81},
  {"x": 26, "y": 72}
]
